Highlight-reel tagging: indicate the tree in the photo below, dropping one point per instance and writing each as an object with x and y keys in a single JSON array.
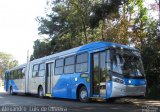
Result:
[
  {"x": 69, "y": 21},
  {"x": 41, "y": 48},
  {"x": 7, "y": 61},
  {"x": 151, "y": 57}
]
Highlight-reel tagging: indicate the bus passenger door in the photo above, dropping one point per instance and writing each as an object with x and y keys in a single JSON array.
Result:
[
  {"x": 48, "y": 77},
  {"x": 98, "y": 82}
]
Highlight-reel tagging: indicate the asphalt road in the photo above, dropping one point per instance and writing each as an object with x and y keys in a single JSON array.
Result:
[{"x": 34, "y": 103}]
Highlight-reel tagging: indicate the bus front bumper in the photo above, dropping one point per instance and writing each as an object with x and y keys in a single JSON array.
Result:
[{"x": 120, "y": 90}]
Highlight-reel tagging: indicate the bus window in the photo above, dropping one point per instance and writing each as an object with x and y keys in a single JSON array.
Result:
[
  {"x": 41, "y": 69},
  {"x": 103, "y": 67},
  {"x": 82, "y": 58},
  {"x": 19, "y": 72},
  {"x": 82, "y": 63},
  {"x": 11, "y": 75},
  {"x": 15, "y": 74},
  {"x": 69, "y": 64},
  {"x": 108, "y": 60},
  {"x": 127, "y": 63},
  {"x": 35, "y": 70},
  {"x": 23, "y": 72},
  {"x": 116, "y": 64},
  {"x": 59, "y": 67}
]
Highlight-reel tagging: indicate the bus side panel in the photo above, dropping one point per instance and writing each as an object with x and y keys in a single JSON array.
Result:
[
  {"x": 76, "y": 80},
  {"x": 35, "y": 83},
  {"x": 65, "y": 86},
  {"x": 61, "y": 86},
  {"x": 29, "y": 79},
  {"x": 13, "y": 85},
  {"x": 19, "y": 85}
]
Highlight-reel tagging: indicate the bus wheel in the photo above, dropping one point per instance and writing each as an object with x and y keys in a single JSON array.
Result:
[
  {"x": 83, "y": 94},
  {"x": 40, "y": 92}
]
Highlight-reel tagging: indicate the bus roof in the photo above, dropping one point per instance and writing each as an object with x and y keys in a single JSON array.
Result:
[
  {"x": 17, "y": 67},
  {"x": 86, "y": 47}
]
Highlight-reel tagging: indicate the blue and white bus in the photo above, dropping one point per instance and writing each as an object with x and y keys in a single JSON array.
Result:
[{"x": 97, "y": 70}]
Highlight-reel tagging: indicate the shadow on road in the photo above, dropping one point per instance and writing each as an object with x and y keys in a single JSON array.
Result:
[{"x": 134, "y": 101}]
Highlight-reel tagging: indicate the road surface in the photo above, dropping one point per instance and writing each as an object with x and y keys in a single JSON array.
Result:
[{"x": 32, "y": 103}]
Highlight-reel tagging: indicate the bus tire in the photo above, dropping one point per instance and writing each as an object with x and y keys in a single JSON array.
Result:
[
  {"x": 83, "y": 94},
  {"x": 40, "y": 92}
]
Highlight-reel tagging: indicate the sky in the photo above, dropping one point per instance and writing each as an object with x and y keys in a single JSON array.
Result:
[
  {"x": 18, "y": 27},
  {"x": 153, "y": 12}
]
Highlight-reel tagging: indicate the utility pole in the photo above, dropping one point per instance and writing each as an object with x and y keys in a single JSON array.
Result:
[
  {"x": 158, "y": 26},
  {"x": 159, "y": 10},
  {"x": 27, "y": 56}
]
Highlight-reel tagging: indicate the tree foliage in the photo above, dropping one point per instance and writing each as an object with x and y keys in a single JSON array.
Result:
[
  {"x": 151, "y": 57},
  {"x": 7, "y": 61}
]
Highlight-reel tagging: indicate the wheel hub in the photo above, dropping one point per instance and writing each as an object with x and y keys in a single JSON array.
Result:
[
  {"x": 83, "y": 94},
  {"x": 41, "y": 93}
]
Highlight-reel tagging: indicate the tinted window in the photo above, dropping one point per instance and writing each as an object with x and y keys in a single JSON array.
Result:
[
  {"x": 108, "y": 60},
  {"x": 82, "y": 67},
  {"x": 23, "y": 72},
  {"x": 82, "y": 58},
  {"x": 41, "y": 72},
  {"x": 42, "y": 69},
  {"x": 16, "y": 76},
  {"x": 59, "y": 67},
  {"x": 11, "y": 75},
  {"x": 59, "y": 62},
  {"x": 20, "y": 73},
  {"x": 69, "y": 69},
  {"x": 42, "y": 66},
  {"x": 58, "y": 70},
  {"x": 82, "y": 63},
  {"x": 35, "y": 68},
  {"x": 69, "y": 60},
  {"x": 69, "y": 64}
]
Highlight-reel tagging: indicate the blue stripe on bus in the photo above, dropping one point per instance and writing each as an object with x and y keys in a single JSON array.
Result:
[
  {"x": 135, "y": 82},
  {"x": 14, "y": 86},
  {"x": 109, "y": 89},
  {"x": 66, "y": 86}
]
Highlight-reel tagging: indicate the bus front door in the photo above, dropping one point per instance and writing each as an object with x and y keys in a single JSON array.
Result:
[
  {"x": 48, "y": 77},
  {"x": 98, "y": 83}
]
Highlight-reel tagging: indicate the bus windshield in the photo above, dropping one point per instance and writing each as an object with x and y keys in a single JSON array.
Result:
[{"x": 127, "y": 62}]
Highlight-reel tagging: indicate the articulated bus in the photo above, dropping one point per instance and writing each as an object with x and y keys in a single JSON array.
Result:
[{"x": 101, "y": 70}]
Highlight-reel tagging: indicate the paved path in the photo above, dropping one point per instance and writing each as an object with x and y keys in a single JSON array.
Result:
[
  {"x": 69, "y": 105},
  {"x": 120, "y": 105}
]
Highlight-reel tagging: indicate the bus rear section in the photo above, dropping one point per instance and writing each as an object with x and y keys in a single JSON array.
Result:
[
  {"x": 117, "y": 72},
  {"x": 14, "y": 81}
]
